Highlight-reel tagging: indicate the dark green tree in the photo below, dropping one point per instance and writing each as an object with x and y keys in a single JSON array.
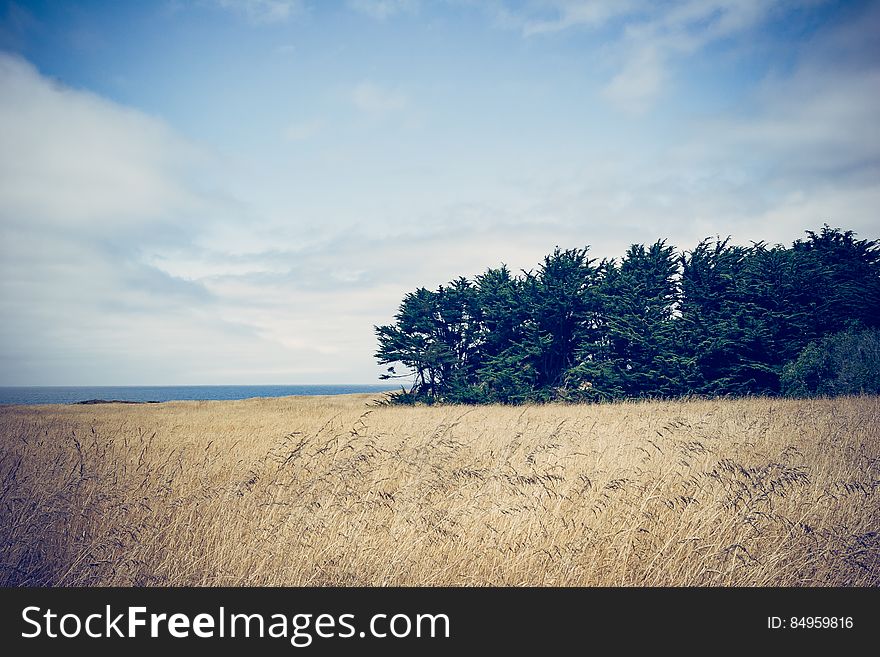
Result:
[
  {"x": 506, "y": 375},
  {"x": 843, "y": 289},
  {"x": 720, "y": 336},
  {"x": 458, "y": 329},
  {"x": 560, "y": 319},
  {"x": 718, "y": 320},
  {"x": 435, "y": 336},
  {"x": 845, "y": 363},
  {"x": 411, "y": 341},
  {"x": 636, "y": 354}
]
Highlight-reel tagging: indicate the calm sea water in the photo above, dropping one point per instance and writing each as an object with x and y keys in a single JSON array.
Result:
[{"x": 71, "y": 395}]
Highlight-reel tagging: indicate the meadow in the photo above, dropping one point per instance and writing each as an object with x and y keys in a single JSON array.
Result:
[{"x": 314, "y": 491}]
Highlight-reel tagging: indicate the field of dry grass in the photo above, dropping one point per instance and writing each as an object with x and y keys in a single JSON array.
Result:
[{"x": 333, "y": 491}]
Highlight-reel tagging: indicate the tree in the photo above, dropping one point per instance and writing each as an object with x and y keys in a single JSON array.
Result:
[
  {"x": 715, "y": 328},
  {"x": 845, "y": 363},
  {"x": 506, "y": 374},
  {"x": 434, "y": 336},
  {"x": 411, "y": 341},
  {"x": 636, "y": 353},
  {"x": 458, "y": 327},
  {"x": 844, "y": 290},
  {"x": 560, "y": 306},
  {"x": 717, "y": 320}
]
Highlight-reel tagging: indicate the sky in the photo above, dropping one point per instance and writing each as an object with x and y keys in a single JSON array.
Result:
[{"x": 238, "y": 191}]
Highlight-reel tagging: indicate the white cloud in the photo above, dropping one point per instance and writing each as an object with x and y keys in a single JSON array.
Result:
[
  {"x": 90, "y": 192},
  {"x": 117, "y": 267},
  {"x": 714, "y": 18},
  {"x": 657, "y": 35},
  {"x": 817, "y": 124},
  {"x": 648, "y": 36},
  {"x": 72, "y": 158},
  {"x": 383, "y": 9},
  {"x": 802, "y": 149},
  {"x": 262, "y": 12},
  {"x": 558, "y": 15},
  {"x": 374, "y": 99},
  {"x": 635, "y": 87}
]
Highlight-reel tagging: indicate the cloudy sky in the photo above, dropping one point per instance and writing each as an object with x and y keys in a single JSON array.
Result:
[{"x": 236, "y": 191}]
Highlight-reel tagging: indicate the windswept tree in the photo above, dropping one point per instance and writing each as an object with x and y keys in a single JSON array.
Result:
[
  {"x": 411, "y": 342},
  {"x": 505, "y": 375},
  {"x": 719, "y": 319},
  {"x": 457, "y": 325},
  {"x": 844, "y": 286},
  {"x": 722, "y": 337},
  {"x": 435, "y": 337},
  {"x": 561, "y": 305},
  {"x": 635, "y": 355}
]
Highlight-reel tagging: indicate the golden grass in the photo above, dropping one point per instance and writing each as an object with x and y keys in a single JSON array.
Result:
[{"x": 330, "y": 491}]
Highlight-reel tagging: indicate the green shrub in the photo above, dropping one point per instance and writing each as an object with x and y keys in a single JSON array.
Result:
[{"x": 846, "y": 363}]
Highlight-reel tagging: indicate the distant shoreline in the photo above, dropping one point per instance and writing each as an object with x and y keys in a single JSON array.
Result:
[
  {"x": 89, "y": 395},
  {"x": 117, "y": 401}
]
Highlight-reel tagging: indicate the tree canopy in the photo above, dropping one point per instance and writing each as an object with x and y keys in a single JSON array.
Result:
[{"x": 719, "y": 319}]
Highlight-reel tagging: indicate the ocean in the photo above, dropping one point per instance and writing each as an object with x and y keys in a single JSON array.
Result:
[{"x": 74, "y": 394}]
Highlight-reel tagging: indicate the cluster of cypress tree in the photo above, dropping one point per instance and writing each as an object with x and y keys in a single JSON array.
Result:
[{"x": 719, "y": 319}]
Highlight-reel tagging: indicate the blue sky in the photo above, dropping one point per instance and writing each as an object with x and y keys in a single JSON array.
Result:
[{"x": 236, "y": 191}]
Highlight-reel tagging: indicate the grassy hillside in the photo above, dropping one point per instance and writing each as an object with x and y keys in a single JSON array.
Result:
[{"x": 332, "y": 491}]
